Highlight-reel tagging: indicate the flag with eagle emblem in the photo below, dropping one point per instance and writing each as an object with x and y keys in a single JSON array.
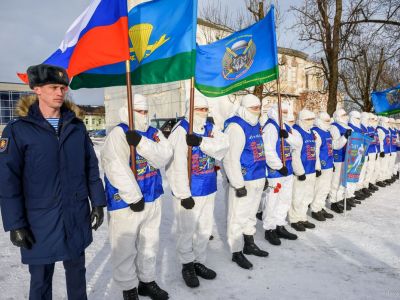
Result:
[{"x": 245, "y": 58}]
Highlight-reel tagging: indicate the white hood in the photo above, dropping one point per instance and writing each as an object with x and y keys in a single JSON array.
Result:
[
  {"x": 355, "y": 118},
  {"x": 323, "y": 121},
  {"x": 244, "y": 112},
  {"x": 199, "y": 118},
  {"x": 340, "y": 117},
  {"x": 141, "y": 121},
  {"x": 365, "y": 116},
  {"x": 306, "y": 119}
]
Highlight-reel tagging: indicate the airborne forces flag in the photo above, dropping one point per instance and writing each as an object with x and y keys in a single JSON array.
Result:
[{"x": 246, "y": 58}]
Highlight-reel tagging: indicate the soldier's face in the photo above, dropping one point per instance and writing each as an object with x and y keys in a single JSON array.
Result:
[{"x": 51, "y": 95}]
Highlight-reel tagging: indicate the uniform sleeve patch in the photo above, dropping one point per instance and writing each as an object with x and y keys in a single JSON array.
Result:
[{"x": 4, "y": 145}]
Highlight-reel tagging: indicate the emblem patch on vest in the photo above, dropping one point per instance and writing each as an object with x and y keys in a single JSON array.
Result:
[{"x": 3, "y": 145}]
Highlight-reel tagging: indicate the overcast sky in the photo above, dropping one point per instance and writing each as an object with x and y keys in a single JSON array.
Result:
[{"x": 32, "y": 30}]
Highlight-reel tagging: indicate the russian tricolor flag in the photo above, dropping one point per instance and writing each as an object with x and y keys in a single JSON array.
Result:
[{"x": 98, "y": 37}]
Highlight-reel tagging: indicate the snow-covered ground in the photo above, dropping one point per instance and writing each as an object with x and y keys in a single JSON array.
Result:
[{"x": 352, "y": 257}]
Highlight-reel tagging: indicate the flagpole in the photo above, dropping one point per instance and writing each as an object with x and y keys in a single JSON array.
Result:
[
  {"x": 130, "y": 112},
  {"x": 280, "y": 120},
  {"x": 191, "y": 108}
]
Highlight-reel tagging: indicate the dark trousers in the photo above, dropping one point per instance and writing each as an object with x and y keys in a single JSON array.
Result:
[{"x": 42, "y": 279}]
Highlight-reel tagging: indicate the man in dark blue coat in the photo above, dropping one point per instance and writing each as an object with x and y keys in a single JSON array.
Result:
[{"x": 48, "y": 171}]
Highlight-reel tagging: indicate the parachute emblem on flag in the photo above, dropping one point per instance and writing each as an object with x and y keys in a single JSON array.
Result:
[
  {"x": 393, "y": 97},
  {"x": 239, "y": 57},
  {"x": 140, "y": 36}
]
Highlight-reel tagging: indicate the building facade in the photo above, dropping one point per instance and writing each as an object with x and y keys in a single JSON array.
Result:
[
  {"x": 9, "y": 95},
  {"x": 94, "y": 117}
]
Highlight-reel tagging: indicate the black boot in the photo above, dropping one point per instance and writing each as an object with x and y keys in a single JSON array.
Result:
[
  {"x": 241, "y": 260},
  {"x": 130, "y": 294},
  {"x": 366, "y": 192},
  {"x": 308, "y": 225},
  {"x": 204, "y": 272},
  {"x": 387, "y": 181},
  {"x": 152, "y": 290},
  {"x": 326, "y": 214},
  {"x": 250, "y": 248},
  {"x": 284, "y": 234},
  {"x": 189, "y": 275},
  {"x": 336, "y": 208},
  {"x": 298, "y": 226},
  {"x": 372, "y": 187},
  {"x": 397, "y": 175},
  {"x": 319, "y": 216},
  {"x": 381, "y": 184},
  {"x": 348, "y": 206},
  {"x": 259, "y": 215},
  {"x": 359, "y": 196},
  {"x": 351, "y": 202},
  {"x": 272, "y": 237}
]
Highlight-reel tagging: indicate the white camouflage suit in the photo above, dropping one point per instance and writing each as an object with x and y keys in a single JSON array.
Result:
[
  {"x": 194, "y": 226},
  {"x": 303, "y": 191},
  {"x": 241, "y": 211},
  {"x": 383, "y": 162},
  {"x": 134, "y": 236}
]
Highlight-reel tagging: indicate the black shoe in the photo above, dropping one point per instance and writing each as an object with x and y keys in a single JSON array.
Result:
[
  {"x": 204, "y": 272},
  {"x": 381, "y": 184},
  {"x": 348, "y": 206},
  {"x": 272, "y": 237},
  {"x": 397, "y": 175},
  {"x": 336, "y": 208},
  {"x": 366, "y": 192},
  {"x": 250, "y": 248},
  {"x": 259, "y": 215},
  {"x": 152, "y": 290},
  {"x": 351, "y": 202},
  {"x": 211, "y": 237},
  {"x": 326, "y": 214},
  {"x": 373, "y": 187},
  {"x": 189, "y": 275},
  {"x": 241, "y": 260},
  {"x": 387, "y": 181},
  {"x": 130, "y": 294},
  {"x": 284, "y": 234},
  {"x": 319, "y": 216},
  {"x": 298, "y": 226},
  {"x": 308, "y": 225},
  {"x": 359, "y": 196}
]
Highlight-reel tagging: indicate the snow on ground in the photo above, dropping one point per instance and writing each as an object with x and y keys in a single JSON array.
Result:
[{"x": 352, "y": 257}]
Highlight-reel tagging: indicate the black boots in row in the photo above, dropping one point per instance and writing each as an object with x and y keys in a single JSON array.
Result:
[
  {"x": 191, "y": 270},
  {"x": 149, "y": 289}
]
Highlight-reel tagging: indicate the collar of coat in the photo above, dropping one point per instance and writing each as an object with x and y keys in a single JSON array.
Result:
[{"x": 28, "y": 108}]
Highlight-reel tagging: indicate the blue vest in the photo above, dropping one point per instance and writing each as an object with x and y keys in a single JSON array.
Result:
[
  {"x": 393, "y": 138},
  {"x": 326, "y": 149},
  {"x": 376, "y": 138},
  {"x": 308, "y": 155},
  {"x": 398, "y": 141},
  {"x": 148, "y": 178},
  {"x": 371, "y": 132},
  {"x": 252, "y": 159},
  {"x": 386, "y": 141},
  {"x": 204, "y": 176},
  {"x": 288, "y": 155},
  {"x": 355, "y": 128},
  {"x": 339, "y": 154}
]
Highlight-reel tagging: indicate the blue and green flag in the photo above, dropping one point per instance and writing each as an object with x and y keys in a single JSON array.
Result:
[
  {"x": 162, "y": 38},
  {"x": 246, "y": 58},
  {"x": 387, "y": 102}
]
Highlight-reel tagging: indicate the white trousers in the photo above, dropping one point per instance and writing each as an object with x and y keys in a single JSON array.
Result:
[
  {"x": 393, "y": 166},
  {"x": 194, "y": 227},
  {"x": 336, "y": 193},
  {"x": 303, "y": 195},
  {"x": 383, "y": 167},
  {"x": 242, "y": 213},
  {"x": 276, "y": 205},
  {"x": 369, "y": 174},
  {"x": 134, "y": 238},
  {"x": 322, "y": 188},
  {"x": 360, "y": 183}
]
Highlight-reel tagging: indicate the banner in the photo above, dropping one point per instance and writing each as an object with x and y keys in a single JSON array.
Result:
[
  {"x": 356, "y": 151},
  {"x": 162, "y": 39},
  {"x": 387, "y": 102},
  {"x": 246, "y": 58}
]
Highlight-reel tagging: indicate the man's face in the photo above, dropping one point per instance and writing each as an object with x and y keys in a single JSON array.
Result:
[{"x": 51, "y": 95}]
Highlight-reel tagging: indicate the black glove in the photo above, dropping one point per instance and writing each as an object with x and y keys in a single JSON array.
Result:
[
  {"x": 22, "y": 237},
  {"x": 318, "y": 173},
  {"x": 347, "y": 133},
  {"x": 193, "y": 140},
  {"x": 133, "y": 138},
  {"x": 382, "y": 154},
  {"x": 284, "y": 171},
  {"x": 187, "y": 203},
  {"x": 241, "y": 192},
  {"x": 96, "y": 216},
  {"x": 301, "y": 177},
  {"x": 138, "y": 206},
  {"x": 266, "y": 184},
  {"x": 283, "y": 134},
  {"x": 334, "y": 168}
]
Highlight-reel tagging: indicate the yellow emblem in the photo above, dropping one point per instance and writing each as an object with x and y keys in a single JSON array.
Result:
[
  {"x": 140, "y": 36},
  {"x": 60, "y": 74}
]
